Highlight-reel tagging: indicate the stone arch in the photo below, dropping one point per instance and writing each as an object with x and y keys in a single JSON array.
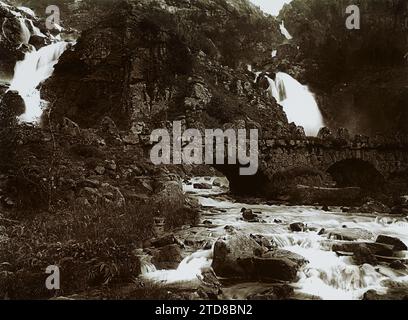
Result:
[
  {"x": 254, "y": 185},
  {"x": 356, "y": 173}
]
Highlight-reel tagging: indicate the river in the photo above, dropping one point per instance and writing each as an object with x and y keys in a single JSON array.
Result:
[{"x": 326, "y": 276}]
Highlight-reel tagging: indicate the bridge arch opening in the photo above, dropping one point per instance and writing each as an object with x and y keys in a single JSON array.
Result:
[
  {"x": 356, "y": 173},
  {"x": 243, "y": 185}
]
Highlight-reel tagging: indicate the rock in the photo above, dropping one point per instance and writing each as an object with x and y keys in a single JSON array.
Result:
[
  {"x": 11, "y": 106},
  {"x": 374, "y": 207},
  {"x": 167, "y": 257},
  {"x": 262, "y": 241},
  {"x": 202, "y": 186},
  {"x": 240, "y": 256},
  {"x": 38, "y": 41},
  {"x": 297, "y": 227},
  {"x": 378, "y": 249},
  {"x": 325, "y": 208},
  {"x": 397, "y": 244},
  {"x": 363, "y": 255},
  {"x": 276, "y": 265},
  {"x": 229, "y": 250},
  {"x": 349, "y": 234},
  {"x": 210, "y": 286},
  {"x": 391, "y": 294},
  {"x": 277, "y": 292},
  {"x": 399, "y": 210},
  {"x": 248, "y": 215},
  {"x": 164, "y": 241},
  {"x": 398, "y": 265}
]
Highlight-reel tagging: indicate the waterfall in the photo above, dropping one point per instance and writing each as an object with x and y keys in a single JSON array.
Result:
[
  {"x": 284, "y": 31},
  {"x": 298, "y": 102},
  {"x": 36, "y": 67},
  {"x": 24, "y": 31}
]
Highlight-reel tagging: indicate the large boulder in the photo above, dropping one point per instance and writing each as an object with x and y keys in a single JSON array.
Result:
[
  {"x": 230, "y": 250},
  {"x": 167, "y": 257},
  {"x": 397, "y": 244},
  {"x": 240, "y": 256}
]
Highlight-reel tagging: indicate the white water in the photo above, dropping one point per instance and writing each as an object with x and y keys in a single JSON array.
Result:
[
  {"x": 298, "y": 102},
  {"x": 284, "y": 31},
  {"x": 25, "y": 33},
  {"x": 326, "y": 276},
  {"x": 29, "y": 73}
]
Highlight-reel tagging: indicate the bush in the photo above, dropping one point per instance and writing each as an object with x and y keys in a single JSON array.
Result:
[{"x": 91, "y": 247}]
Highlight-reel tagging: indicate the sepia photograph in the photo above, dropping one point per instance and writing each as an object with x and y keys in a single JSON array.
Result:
[{"x": 229, "y": 151}]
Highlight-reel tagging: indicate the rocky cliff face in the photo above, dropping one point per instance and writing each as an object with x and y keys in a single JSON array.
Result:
[
  {"x": 150, "y": 62},
  {"x": 359, "y": 75}
]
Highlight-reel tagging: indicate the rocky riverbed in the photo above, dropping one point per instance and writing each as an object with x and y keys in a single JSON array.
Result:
[{"x": 247, "y": 251}]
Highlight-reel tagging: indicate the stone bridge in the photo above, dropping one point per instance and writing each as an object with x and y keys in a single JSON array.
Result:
[
  {"x": 387, "y": 158},
  {"x": 360, "y": 161}
]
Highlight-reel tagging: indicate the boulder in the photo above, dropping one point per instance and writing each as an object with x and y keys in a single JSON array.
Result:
[
  {"x": 297, "y": 227},
  {"x": 359, "y": 249},
  {"x": 374, "y": 207},
  {"x": 202, "y": 186},
  {"x": 167, "y": 257},
  {"x": 248, "y": 215},
  {"x": 349, "y": 234},
  {"x": 229, "y": 250},
  {"x": 397, "y": 244},
  {"x": 240, "y": 256}
]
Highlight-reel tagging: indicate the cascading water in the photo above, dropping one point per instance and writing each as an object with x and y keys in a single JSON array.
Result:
[
  {"x": 327, "y": 275},
  {"x": 298, "y": 102},
  {"x": 284, "y": 31},
  {"x": 36, "y": 67},
  {"x": 24, "y": 31}
]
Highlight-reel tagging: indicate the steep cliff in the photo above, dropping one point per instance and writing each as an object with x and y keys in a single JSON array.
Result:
[{"x": 155, "y": 61}]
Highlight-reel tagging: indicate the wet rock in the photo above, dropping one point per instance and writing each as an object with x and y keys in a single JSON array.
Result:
[
  {"x": 167, "y": 257},
  {"x": 326, "y": 208},
  {"x": 297, "y": 227},
  {"x": 374, "y": 207},
  {"x": 230, "y": 250},
  {"x": 397, "y": 244},
  {"x": 349, "y": 234},
  {"x": 399, "y": 210},
  {"x": 262, "y": 241},
  {"x": 248, "y": 215},
  {"x": 378, "y": 249},
  {"x": 276, "y": 265},
  {"x": 398, "y": 265},
  {"x": 38, "y": 41},
  {"x": 202, "y": 186},
  {"x": 363, "y": 255},
  {"x": 240, "y": 256}
]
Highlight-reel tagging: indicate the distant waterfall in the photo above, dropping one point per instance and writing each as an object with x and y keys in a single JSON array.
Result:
[
  {"x": 285, "y": 31},
  {"x": 36, "y": 67},
  {"x": 298, "y": 102}
]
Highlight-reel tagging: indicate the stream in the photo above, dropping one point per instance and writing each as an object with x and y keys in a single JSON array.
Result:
[{"x": 326, "y": 276}]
